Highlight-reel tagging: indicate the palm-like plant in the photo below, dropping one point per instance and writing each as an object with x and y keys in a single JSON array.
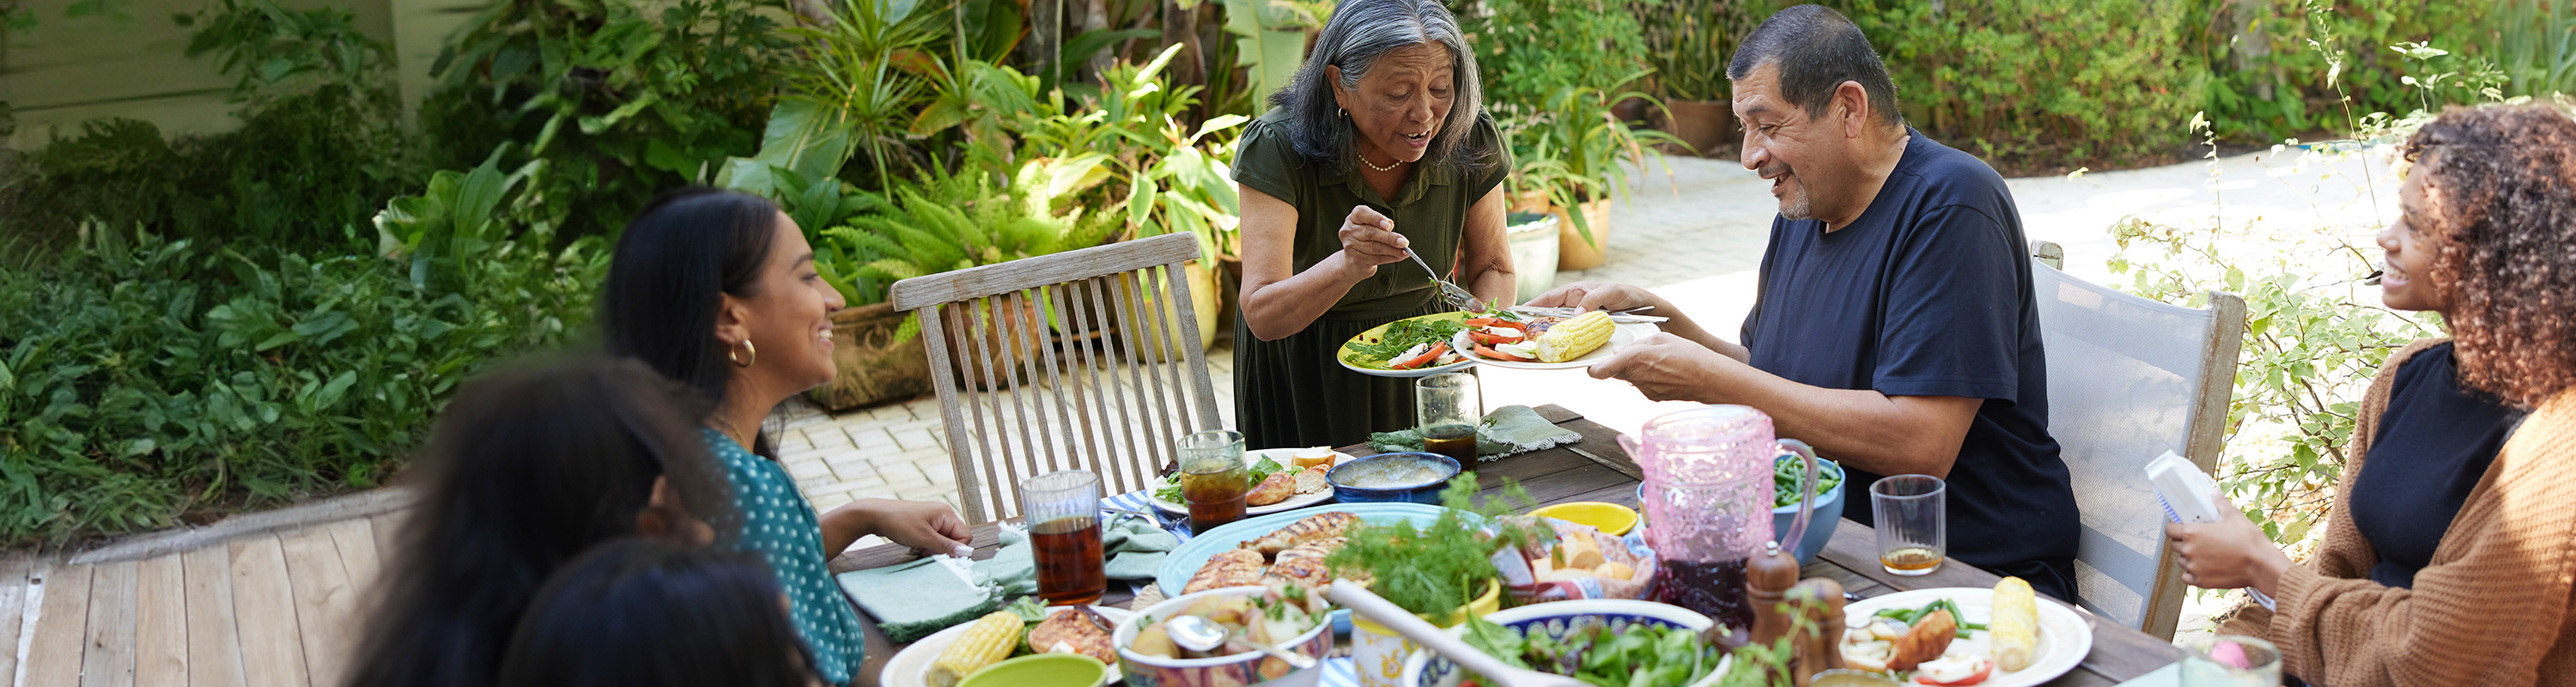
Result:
[{"x": 1573, "y": 148}]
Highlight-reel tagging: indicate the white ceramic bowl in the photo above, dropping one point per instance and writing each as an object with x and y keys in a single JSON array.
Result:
[
  {"x": 1223, "y": 671},
  {"x": 1558, "y": 618}
]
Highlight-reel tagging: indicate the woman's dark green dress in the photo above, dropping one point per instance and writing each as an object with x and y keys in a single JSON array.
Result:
[{"x": 1293, "y": 392}]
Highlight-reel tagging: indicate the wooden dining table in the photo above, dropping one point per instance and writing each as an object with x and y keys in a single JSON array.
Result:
[{"x": 1597, "y": 469}]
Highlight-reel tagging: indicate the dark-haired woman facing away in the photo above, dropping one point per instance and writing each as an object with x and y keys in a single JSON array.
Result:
[
  {"x": 527, "y": 468},
  {"x": 645, "y": 613},
  {"x": 717, "y": 289},
  {"x": 2450, "y": 557}
]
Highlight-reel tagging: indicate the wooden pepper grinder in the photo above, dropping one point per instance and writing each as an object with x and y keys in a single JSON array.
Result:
[
  {"x": 1767, "y": 579},
  {"x": 1819, "y": 646}
]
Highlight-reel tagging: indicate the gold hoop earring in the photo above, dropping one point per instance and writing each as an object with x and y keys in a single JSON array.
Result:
[
  {"x": 744, "y": 358},
  {"x": 1345, "y": 114}
]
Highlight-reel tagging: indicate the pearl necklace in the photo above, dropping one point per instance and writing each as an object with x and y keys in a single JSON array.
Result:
[{"x": 1372, "y": 165}]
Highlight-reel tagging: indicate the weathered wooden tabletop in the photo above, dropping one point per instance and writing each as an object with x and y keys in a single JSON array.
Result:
[{"x": 1596, "y": 469}]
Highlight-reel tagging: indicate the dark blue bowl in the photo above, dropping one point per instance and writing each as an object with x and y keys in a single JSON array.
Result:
[{"x": 1427, "y": 493}]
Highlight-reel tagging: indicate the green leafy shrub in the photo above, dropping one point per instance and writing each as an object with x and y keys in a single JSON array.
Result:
[
  {"x": 2283, "y": 67},
  {"x": 1527, "y": 50},
  {"x": 2033, "y": 84},
  {"x": 319, "y": 148},
  {"x": 146, "y": 380},
  {"x": 621, "y": 99}
]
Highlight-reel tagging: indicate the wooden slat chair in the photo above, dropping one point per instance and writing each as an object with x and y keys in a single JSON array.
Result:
[
  {"x": 2128, "y": 379},
  {"x": 1029, "y": 382}
]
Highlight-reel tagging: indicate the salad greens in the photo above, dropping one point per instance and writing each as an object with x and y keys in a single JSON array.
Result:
[
  {"x": 1787, "y": 472},
  {"x": 1170, "y": 492},
  {"x": 1403, "y": 335},
  {"x": 1909, "y": 615},
  {"x": 1642, "y": 655}
]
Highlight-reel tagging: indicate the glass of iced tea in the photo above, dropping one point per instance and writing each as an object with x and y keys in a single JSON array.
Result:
[
  {"x": 1214, "y": 479},
  {"x": 1063, "y": 512},
  {"x": 1447, "y": 409},
  {"x": 1912, "y": 536}
]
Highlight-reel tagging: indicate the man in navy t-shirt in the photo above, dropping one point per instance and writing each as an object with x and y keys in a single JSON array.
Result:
[{"x": 1895, "y": 327}]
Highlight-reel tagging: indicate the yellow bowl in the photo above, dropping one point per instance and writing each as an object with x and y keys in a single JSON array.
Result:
[{"x": 1611, "y": 518}]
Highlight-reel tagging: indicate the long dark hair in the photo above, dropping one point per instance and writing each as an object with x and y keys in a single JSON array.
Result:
[
  {"x": 672, "y": 268},
  {"x": 527, "y": 468},
  {"x": 644, "y": 613}
]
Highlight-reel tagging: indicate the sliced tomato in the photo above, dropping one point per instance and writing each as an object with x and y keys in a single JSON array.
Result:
[
  {"x": 1436, "y": 351},
  {"x": 1492, "y": 339},
  {"x": 1494, "y": 322},
  {"x": 1985, "y": 668},
  {"x": 1489, "y": 352}
]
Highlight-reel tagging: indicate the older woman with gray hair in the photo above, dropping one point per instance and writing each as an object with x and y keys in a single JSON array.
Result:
[{"x": 1379, "y": 144}]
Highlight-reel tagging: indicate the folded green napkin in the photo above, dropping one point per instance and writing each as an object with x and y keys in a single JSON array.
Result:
[
  {"x": 912, "y": 600},
  {"x": 1507, "y": 431},
  {"x": 1134, "y": 547}
]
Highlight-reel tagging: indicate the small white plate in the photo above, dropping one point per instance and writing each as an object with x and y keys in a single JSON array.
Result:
[
  {"x": 2064, "y": 638},
  {"x": 911, "y": 666},
  {"x": 1620, "y": 337},
  {"x": 1278, "y": 454}
]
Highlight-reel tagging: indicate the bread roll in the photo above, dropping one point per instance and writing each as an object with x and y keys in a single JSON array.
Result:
[{"x": 1319, "y": 456}]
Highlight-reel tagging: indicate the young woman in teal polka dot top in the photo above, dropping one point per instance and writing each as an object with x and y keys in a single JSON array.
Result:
[{"x": 717, "y": 289}]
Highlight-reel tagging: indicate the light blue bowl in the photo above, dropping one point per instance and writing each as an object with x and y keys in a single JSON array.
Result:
[
  {"x": 1820, "y": 527},
  {"x": 1426, "y": 493}
]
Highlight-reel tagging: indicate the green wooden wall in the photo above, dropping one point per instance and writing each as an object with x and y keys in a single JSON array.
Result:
[{"x": 69, "y": 70}]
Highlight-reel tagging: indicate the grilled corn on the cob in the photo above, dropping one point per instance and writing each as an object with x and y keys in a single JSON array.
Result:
[
  {"x": 2015, "y": 625},
  {"x": 1575, "y": 337},
  {"x": 987, "y": 641}
]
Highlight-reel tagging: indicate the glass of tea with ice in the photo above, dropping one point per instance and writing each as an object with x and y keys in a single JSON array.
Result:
[
  {"x": 1063, "y": 512},
  {"x": 1214, "y": 478}
]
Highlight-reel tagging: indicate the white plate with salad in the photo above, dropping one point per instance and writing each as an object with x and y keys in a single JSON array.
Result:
[
  {"x": 1880, "y": 633},
  {"x": 1410, "y": 347},
  {"x": 1166, "y": 494}
]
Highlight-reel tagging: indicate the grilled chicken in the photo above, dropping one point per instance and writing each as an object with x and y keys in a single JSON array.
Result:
[
  {"x": 1318, "y": 527},
  {"x": 1229, "y": 568},
  {"x": 1079, "y": 630}
]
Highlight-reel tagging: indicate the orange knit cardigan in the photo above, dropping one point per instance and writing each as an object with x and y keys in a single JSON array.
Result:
[{"x": 2494, "y": 608}]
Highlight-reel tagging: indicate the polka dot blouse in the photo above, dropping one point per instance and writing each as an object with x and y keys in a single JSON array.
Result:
[{"x": 779, "y": 525}]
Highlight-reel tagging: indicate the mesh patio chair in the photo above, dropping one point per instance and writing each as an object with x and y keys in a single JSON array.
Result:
[
  {"x": 1087, "y": 359},
  {"x": 2129, "y": 379}
]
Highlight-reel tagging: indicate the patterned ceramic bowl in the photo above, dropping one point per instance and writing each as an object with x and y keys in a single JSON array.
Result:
[
  {"x": 1246, "y": 668},
  {"x": 1564, "y": 618}
]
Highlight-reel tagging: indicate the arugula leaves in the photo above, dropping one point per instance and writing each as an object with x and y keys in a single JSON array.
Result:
[
  {"x": 1403, "y": 335},
  {"x": 1642, "y": 655}
]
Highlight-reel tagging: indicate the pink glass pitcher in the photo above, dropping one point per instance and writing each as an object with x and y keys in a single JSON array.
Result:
[{"x": 1708, "y": 498}]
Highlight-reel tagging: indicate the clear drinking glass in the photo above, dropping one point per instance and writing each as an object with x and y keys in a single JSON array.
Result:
[
  {"x": 1912, "y": 535},
  {"x": 1447, "y": 409},
  {"x": 1063, "y": 512},
  {"x": 1214, "y": 478},
  {"x": 2230, "y": 661}
]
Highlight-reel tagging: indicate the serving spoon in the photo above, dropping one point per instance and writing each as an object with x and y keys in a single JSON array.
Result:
[
  {"x": 1200, "y": 634},
  {"x": 1364, "y": 602}
]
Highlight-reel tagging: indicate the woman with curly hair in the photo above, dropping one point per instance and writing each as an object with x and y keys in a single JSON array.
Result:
[{"x": 2452, "y": 558}]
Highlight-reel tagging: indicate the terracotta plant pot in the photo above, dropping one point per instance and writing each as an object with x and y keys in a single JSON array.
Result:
[
  {"x": 1574, "y": 253},
  {"x": 872, "y": 368},
  {"x": 1704, "y": 124}
]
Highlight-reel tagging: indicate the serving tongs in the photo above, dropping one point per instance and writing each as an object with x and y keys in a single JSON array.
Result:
[
  {"x": 1628, "y": 316},
  {"x": 1368, "y": 604}
]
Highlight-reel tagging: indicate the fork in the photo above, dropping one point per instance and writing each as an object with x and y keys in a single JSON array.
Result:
[{"x": 1458, "y": 298}]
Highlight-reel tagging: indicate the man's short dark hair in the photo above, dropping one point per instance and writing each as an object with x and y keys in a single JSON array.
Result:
[{"x": 1817, "y": 49}]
